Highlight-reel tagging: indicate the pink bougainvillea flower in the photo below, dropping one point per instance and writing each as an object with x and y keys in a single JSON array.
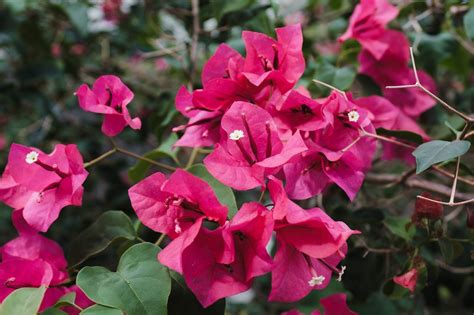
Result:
[
  {"x": 40, "y": 184},
  {"x": 109, "y": 96},
  {"x": 333, "y": 305},
  {"x": 310, "y": 246},
  {"x": 367, "y": 24},
  {"x": 31, "y": 260},
  {"x": 172, "y": 205},
  {"x": 34, "y": 247},
  {"x": 296, "y": 111},
  {"x": 392, "y": 69},
  {"x": 280, "y": 60},
  {"x": 336, "y": 154},
  {"x": 407, "y": 280},
  {"x": 224, "y": 261},
  {"x": 250, "y": 148},
  {"x": 384, "y": 114}
]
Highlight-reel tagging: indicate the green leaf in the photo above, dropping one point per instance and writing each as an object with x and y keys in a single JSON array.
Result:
[
  {"x": 77, "y": 13},
  {"x": 221, "y": 8},
  {"x": 469, "y": 23},
  {"x": 53, "y": 311},
  {"x": 140, "y": 286},
  {"x": 140, "y": 169},
  {"x": 101, "y": 310},
  {"x": 66, "y": 300},
  {"x": 24, "y": 301},
  {"x": 436, "y": 151},
  {"x": 400, "y": 226},
  {"x": 450, "y": 249},
  {"x": 223, "y": 193},
  {"x": 401, "y": 134},
  {"x": 111, "y": 226},
  {"x": 340, "y": 78}
]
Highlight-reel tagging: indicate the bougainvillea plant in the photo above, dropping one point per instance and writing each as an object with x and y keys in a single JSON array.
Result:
[{"x": 275, "y": 210}]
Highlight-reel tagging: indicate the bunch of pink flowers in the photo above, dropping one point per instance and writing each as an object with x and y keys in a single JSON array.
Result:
[{"x": 267, "y": 134}]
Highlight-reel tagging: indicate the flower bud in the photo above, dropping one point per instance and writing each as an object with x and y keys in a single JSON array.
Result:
[{"x": 426, "y": 209}]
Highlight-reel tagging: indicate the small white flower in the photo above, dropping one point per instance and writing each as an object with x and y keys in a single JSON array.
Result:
[
  {"x": 339, "y": 278},
  {"x": 353, "y": 116},
  {"x": 31, "y": 157},
  {"x": 316, "y": 280},
  {"x": 236, "y": 135},
  {"x": 177, "y": 227}
]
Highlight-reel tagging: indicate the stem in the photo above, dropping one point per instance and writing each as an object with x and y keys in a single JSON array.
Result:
[
  {"x": 192, "y": 157},
  {"x": 376, "y": 136},
  {"x": 145, "y": 159},
  {"x": 417, "y": 84},
  {"x": 329, "y": 86},
  {"x": 100, "y": 158},
  {"x": 451, "y": 204},
  {"x": 455, "y": 182},
  {"x": 195, "y": 38},
  {"x": 160, "y": 239}
]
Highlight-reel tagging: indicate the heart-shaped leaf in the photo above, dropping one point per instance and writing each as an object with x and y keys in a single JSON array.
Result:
[
  {"x": 141, "y": 285},
  {"x": 101, "y": 310},
  {"x": 109, "y": 227},
  {"x": 24, "y": 301},
  {"x": 223, "y": 193},
  {"x": 437, "y": 151}
]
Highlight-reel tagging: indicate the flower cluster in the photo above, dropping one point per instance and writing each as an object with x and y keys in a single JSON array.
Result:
[
  {"x": 38, "y": 185},
  {"x": 262, "y": 126},
  {"x": 384, "y": 58},
  {"x": 219, "y": 257},
  {"x": 32, "y": 260}
]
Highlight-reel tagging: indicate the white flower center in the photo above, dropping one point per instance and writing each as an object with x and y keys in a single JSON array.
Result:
[
  {"x": 177, "y": 227},
  {"x": 339, "y": 278},
  {"x": 353, "y": 116},
  {"x": 31, "y": 157},
  {"x": 236, "y": 135},
  {"x": 316, "y": 280}
]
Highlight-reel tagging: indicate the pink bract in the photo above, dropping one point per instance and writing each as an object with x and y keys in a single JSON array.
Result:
[
  {"x": 109, "y": 96},
  {"x": 172, "y": 205},
  {"x": 408, "y": 279},
  {"x": 39, "y": 185}
]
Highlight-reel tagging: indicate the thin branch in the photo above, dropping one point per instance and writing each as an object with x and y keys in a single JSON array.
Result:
[
  {"x": 458, "y": 270},
  {"x": 451, "y": 204},
  {"x": 160, "y": 239},
  {"x": 100, "y": 158},
  {"x": 455, "y": 182},
  {"x": 329, "y": 86},
  {"x": 145, "y": 159},
  {"x": 376, "y": 136},
  {"x": 417, "y": 84},
  {"x": 195, "y": 38},
  {"x": 418, "y": 183}
]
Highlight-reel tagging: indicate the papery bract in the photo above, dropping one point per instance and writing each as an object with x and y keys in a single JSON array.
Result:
[
  {"x": 109, "y": 96},
  {"x": 367, "y": 24},
  {"x": 310, "y": 246},
  {"x": 172, "y": 205},
  {"x": 408, "y": 279},
  {"x": 251, "y": 148},
  {"x": 224, "y": 261},
  {"x": 40, "y": 185}
]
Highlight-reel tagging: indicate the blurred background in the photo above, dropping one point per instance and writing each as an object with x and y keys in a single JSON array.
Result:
[{"x": 48, "y": 48}]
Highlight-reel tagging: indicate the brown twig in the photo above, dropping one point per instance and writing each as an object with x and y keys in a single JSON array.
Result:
[
  {"x": 195, "y": 38},
  {"x": 417, "y": 84},
  {"x": 459, "y": 270}
]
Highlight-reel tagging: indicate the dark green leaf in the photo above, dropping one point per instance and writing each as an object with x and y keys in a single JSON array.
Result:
[
  {"x": 340, "y": 78},
  {"x": 101, "y": 310},
  {"x": 23, "y": 301},
  {"x": 450, "y": 249},
  {"x": 66, "y": 300},
  {"x": 223, "y": 193},
  {"x": 400, "y": 226},
  {"x": 109, "y": 227},
  {"x": 436, "y": 151},
  {"x": 77, "y": 12},
  {"x": 140, "y": 169},
  {"x": 469, "y": 23},
  {"x": 140, "y": 286},
  {"x": 401, "y": 134},
  {"x": 53, "y": 311}
]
